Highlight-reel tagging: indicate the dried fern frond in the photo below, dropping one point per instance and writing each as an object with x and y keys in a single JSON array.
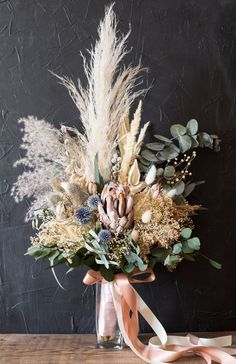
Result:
[{"x": 109, "y": 93}]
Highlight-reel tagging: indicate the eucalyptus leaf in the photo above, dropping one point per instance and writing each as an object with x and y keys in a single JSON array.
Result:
[
  {"x": 168, "y": 153},
  {"x": 160, "y": 172},
  {"x": 162, "y": 138},
  {"x": 170, "y": 260},
  {"x": 205, "y": 140},
  {"x": 185, "y": 143},
  {"x": 186, "y": 249},
  {"x": 192, "y": 127},
  {"x": 194, "y": 243},
  {"x": 195, "y": 143},
  {"x": 169, "y": 171},
  {"x": 144, "y": 161},
  {"x": 155, "y": 146},
  {"x": 160, "y": 254},
  {"x": 177, "y": 248},
  {"x": 177, "y": 130},
  {"x": 149, "y": 155},
  {"x": 179, "y": 186},
  {"x": 186, "y": 233},
  {"x": 129, "y": 268}
]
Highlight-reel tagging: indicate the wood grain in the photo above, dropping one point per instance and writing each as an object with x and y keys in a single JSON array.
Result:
[{"x": 71, "y": 349}]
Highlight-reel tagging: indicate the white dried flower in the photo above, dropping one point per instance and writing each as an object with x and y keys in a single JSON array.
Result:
[
  {"x": 151, "y": 175},
  {"x": 146, "y": 216}
]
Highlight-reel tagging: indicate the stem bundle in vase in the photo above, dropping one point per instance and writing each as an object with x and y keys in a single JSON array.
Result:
[{"x": 103, "y": 198}]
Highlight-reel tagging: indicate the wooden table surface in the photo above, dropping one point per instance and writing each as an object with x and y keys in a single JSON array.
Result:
[{"x": 73, "y": 349}]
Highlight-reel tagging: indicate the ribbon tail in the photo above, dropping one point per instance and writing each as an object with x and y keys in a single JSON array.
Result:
[{"x": 126, "y": 299}]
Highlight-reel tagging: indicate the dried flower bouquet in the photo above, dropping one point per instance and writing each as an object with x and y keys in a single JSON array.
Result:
[{"x": 102, "y": 197}]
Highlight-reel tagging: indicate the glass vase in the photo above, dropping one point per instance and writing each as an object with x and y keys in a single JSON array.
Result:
[{"x": 107, "y": 328}]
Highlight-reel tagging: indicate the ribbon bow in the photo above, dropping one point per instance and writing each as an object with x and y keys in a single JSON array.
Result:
[{"x": 161, "y": 349}]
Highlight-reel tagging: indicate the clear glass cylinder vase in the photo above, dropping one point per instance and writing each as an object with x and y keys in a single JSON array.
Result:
[{"x": 107, "y": 328}]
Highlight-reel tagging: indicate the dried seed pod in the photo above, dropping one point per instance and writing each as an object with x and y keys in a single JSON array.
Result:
[
  {"x": 129, "y": 204},
  {"x": 123, "y": 221},
  {"x": 135, "y": 235},
  {"x": 121, "y": 206},
  {"x": 116, "y": 202},
  {"x": 92, "y": 188}
]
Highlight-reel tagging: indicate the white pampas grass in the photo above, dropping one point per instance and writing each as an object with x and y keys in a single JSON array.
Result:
[
  {"x": 108, "y": 96},
  {"x": 42, "y": 162}
]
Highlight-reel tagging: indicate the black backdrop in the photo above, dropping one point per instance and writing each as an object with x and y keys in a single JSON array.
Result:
[{"x": 189, "y": 47}]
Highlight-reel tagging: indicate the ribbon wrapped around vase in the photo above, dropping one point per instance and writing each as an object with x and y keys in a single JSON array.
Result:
[{"x": 161, "y": 348}]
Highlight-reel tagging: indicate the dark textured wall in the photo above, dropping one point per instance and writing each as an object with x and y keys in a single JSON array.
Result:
[{"x": 189, "y": 47}]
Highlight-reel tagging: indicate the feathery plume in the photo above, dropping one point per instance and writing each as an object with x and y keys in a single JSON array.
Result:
[{"x": 108, "y": 96}]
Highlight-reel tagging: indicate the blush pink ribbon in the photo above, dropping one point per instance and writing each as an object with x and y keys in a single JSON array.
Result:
[{"x": 161, "y": 349}]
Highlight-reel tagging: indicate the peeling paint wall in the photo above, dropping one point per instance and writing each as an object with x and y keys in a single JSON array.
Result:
[{"x": 189, "y": 47}]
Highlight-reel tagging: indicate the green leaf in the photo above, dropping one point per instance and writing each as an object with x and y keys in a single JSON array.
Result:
[
  {"x": 162, "y": 138},
  {"x": 177, "y": 130},
  {"x": 170, "y": 260},
  {"x": 194, "y": 243},
  {"x": 205, "y": 140},
  {"x": 186, "y": 233},
  {"x": 129, "y": 267},
  {"x": 144, "y": 161},
  {"x": 179, "y": 187},
  {"x": 177, "y": 248},
  {"x": 185, "y": 143},
  {"x": 189, "y": 257},
  {"x": 192, "y": 127},
  {"x": 160, "y": 254},
  {"x": 149, "y": 155},
  {"x": 155, "y": 146},
  {"x": 195, "y": 143},
  {"x": 53, "y": 255},
  {"x": 167, "y": 153},
  {"x": 160, "y": 172},
  {"x": 108, "y": 274},
  {"x": 152, "y": 262},
  {"x": 215, "y": 264},
  {"x": 39, "y": 252},
  {"x": 169, "y": 171},
  {"x": 142, "y": 266},
  {"x": 186, "y": 249}
]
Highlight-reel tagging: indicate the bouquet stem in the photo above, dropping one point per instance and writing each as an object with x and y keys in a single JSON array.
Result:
[{"x": 108, "y": 332}]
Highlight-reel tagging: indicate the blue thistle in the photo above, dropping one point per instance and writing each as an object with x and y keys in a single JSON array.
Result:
[
  {"x": 83, "y": 215},
  {"x": 104, "y": 236},
  {"x": 93, "y": 202}
]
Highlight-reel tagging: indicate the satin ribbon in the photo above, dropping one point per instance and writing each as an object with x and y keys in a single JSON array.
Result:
[{"x": 161, "y": 349}]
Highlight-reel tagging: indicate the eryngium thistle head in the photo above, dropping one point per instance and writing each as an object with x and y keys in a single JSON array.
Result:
[
  {"x": 83, "y": 215},
  {"x": 93, "y": 202},
  {"x": 104, "y": 236}
]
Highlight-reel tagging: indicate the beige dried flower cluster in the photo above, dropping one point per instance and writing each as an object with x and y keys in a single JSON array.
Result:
[
  {"x": 166, "y": 219},
  {"x": 67, "y": 235}
]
